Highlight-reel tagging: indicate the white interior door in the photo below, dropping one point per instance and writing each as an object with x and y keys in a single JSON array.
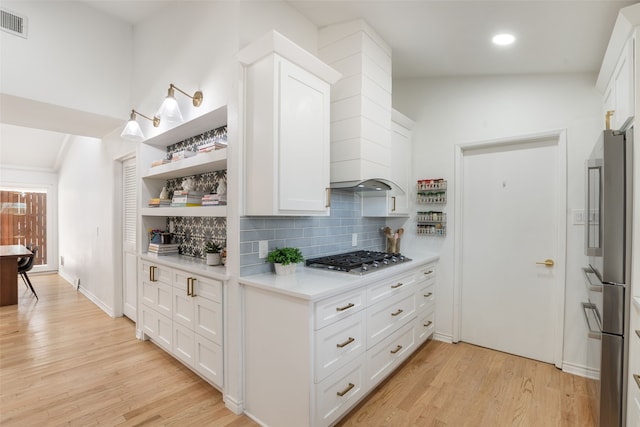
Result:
[
  {"x": 510, "y": 223},
  {"x": 129, "y": 221}
]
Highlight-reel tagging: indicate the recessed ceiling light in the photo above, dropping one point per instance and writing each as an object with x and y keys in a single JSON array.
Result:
[{"x": 503, "y": 39}]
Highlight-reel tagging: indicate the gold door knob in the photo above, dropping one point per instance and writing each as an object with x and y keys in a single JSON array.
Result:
[{"x": 547, "y": 262}]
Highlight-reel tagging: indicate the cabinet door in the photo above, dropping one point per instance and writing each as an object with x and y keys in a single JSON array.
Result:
[
  {"x": 400, "y": 169},
  {"x": 183, "y": 307},
  {"x": 208, "y": 360},
  {"x": 303, "y": 152},
  {"x": 207, "y": 319},
  {"x": 623, "y": 86},
  {"x": 184, "y": 344}
]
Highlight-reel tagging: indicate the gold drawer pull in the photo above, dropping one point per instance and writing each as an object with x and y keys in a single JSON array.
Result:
[
  {"x": 397, "y": 285},
  {"x": 346, "y": 343},
  {"x": 428, "y": 295},
  {"x": 637, "y": 378},
  {"x": 428, "y": 324},
  {"x": 426, "y": 273},
  {"x": 188, "y": 286},
  {"x": 638, "y": 333},
  {"x": 346, "y": 307},
  {"x": 346, "y": 390},
  {"x": 152, "y": 273},
  {"x": 397, "y": 312},
  {"x": 398, "y": 348}
]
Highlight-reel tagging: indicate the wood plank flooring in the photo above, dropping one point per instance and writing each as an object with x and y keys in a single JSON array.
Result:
[{"x": 65, "y": 362}]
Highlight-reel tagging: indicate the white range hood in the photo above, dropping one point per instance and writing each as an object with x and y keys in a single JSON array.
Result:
[{"x": 360, "y": 106}]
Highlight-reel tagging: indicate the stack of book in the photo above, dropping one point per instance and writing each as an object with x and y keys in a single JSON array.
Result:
[
  {"x": 163, "y": 249},
  {"x": 183, "y": 198},
  {"x": 184, "y": 154},
  {"x": 214, "y": 199},
  {"x": 213, "y": 145},
  {"x": 157, "y": 203}
]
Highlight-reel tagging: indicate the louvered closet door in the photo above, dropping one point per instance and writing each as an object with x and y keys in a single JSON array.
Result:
[{"x": 129, "y": 215}]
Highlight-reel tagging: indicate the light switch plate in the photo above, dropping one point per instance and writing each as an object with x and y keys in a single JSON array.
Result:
[{"x": 263, "y": 248}]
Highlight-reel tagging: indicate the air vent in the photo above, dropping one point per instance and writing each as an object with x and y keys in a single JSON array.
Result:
[{"x": 13, "y": 23}]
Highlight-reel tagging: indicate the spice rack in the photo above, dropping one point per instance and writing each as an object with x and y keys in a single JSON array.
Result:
[{"x": 431, "y": 222}]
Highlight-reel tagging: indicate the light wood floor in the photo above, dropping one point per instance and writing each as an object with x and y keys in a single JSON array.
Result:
[{"x": 64, "y": 362}]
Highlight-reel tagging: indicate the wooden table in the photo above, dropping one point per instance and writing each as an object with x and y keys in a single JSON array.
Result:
[{"x": 9, "y": 255}]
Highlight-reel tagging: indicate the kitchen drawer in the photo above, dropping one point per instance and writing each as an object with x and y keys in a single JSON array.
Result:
[
  {"x": 427, "y": 272},
  {"x": 386, "y": 356},
  {"x": 202, "y": 286},
  {"x": 339, "y": 307},
  {"x": 340, "y": 391},
  {"x": 425, "y": 295},
  {"x": 208, "y": 360},
  {"x": 338, "y": 344},
  {"x": 156, "y": 273},
  {"x": 389, "y": 287},
  {"x": 425, "y": 325},
  {"x": 389, "y": 315},
  {"x": 207, "y": 319},
  {"x": 158, "y": 296},
  {"x": 184, "y": 344},
  {"x": 183, "y": 307},
  {"x": 157, "y": 327}
]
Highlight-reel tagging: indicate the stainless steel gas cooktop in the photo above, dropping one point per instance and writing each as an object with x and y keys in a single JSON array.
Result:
[{"x": 358, "y": 262}]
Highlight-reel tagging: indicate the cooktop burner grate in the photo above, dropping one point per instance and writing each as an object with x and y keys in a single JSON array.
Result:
[{"x": 359, "y": 262}]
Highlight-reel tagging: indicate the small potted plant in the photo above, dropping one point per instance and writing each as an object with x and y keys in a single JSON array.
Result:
[
  {"x": 285, "y": 260},
  {"x": 212, "y": 250}
]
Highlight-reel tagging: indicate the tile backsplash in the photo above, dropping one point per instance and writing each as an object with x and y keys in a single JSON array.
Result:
[{"x": 315, "y": 236}]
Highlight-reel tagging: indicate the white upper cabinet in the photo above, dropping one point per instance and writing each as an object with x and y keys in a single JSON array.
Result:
[{"x": 286, "y": 129}]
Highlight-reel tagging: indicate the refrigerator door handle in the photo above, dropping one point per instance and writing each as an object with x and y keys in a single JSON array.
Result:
[{"x": 593, "y": 320}]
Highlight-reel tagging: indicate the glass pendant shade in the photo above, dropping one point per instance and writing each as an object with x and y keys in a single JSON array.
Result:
[
  {"x": 132, "y": 131},
  {"x": 169, "y": 110}
]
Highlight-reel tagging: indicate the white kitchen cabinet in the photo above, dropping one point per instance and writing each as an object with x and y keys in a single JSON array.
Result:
[
  {"x": 286, "y": 129},
  {"x": 182, "y": 313},
  {"x": 394, "y": 202},
  {"x": 308, "y": 361},
  {"x": 618, "y": 97}
]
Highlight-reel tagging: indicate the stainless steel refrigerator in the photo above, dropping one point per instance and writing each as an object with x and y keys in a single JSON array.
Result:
[{"x": 608, "y": 245}]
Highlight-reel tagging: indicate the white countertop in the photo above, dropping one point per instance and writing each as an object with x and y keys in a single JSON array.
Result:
[
  {"x": 193, "y": 264},
  {"x": 313, "y": 284}
]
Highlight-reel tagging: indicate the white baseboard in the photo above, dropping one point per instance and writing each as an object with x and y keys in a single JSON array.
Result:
[
  {"x": 580, "y": 370},
  {"x": 442, "y": 337},
  {"x": 232, "y": 404},
  {"x": 97, "y": 301}
]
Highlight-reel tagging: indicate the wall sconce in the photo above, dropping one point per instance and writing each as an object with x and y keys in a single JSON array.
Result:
[
  {"x": 169, "y": 110},
  {"x": 132, "y": 130}
]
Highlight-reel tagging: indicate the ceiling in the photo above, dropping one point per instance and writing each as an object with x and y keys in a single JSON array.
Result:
[{"x": 434, "y": 38}]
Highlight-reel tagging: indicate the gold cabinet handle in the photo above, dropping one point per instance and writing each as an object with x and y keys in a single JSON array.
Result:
[
  {"x": 428, "y": 324},
  {"x": 397, "y": 312},
  {"x": 397, "y": 285},
  {"x": 152, "y": 273},
  {"x": 346, "y": 343},
  {"x": 637, "y": 378},
  {"x": 328, "y": 201},
  {"x": 398, "y": 348},
  {"x": 346, "y": 390},
  {"x": 188, "y": 286},
  {"x": 547, "y": 262},
  {"x": 426, "y": 273},
  {"x": 428, "y": 295},
  {"x": 193, "y": 286},
  {"x": 346, "y": 307},
  {"x": 393, "y": 199}
]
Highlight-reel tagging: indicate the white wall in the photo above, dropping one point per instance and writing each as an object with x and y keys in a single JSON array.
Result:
[
  {"x": 450, "y": 111},
  {"x": 74, "y": 57}
]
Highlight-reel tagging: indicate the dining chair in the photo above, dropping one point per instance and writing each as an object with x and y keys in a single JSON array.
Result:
[{"x": 27, "y": 266}]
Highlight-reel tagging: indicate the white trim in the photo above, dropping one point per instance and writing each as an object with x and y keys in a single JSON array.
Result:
[
  {"x": 97, "y": 301},
  {"x": 581, "y": 371},
  {"x": 437, "y": 336},
  {"x": 561, "y": 216}
]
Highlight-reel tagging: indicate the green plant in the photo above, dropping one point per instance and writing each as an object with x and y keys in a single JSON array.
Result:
[
  {"x": 212, "y": 247},
  {"x": 285, "y": 256}
]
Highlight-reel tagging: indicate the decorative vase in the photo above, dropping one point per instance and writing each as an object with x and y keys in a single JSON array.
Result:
[
  {"x": 213, "y": 259},
  {"x": 284, "y": 270}
]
